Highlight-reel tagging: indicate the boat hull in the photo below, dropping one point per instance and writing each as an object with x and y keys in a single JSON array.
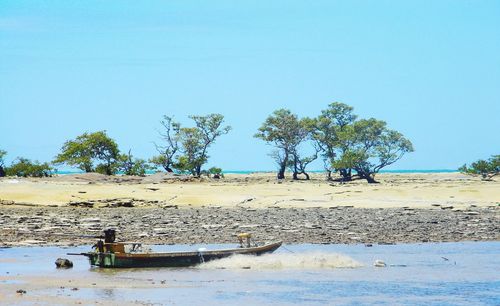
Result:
[{"x": 173, "y": 259}]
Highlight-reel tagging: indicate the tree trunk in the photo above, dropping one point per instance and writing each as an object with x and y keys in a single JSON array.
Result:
[
  {"x": 307, "y": 175},
  {"x": 328, "y": 175},
  {"x": 295, "y": 168},
  {"x": 169, "y": 169},
  {"x": 369, "y": 177},
  {"x": 108, "y": 168},
  {"x": 2, "y": 172},
  {"x": 281, "y": 172},
  {"x": 346, "y": 175}
]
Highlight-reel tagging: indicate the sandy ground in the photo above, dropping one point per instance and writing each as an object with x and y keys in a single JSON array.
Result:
[
  {"x": 254, "y": 190},
  {"x": 64, "y": 289}
]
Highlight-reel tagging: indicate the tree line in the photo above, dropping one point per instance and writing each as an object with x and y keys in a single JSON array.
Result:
[
  {"x": 352, "y": 147},
  {"x": 183, "y": 149}
]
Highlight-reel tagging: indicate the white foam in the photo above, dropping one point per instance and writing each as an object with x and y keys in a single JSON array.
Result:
[{"x": 309, "y": 260}]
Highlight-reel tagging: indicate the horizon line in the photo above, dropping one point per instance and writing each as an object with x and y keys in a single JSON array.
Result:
[{"x": 63, "y": 172}]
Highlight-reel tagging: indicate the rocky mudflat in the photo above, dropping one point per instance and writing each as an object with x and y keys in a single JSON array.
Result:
[{"x": 174, "y": 225}]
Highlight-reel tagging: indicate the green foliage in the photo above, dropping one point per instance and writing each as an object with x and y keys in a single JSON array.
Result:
[
  {"x": 348, "y": 144},
  {"x": 209, "y": 128},
  {"x": 330, "y": 132},
  {"x": 161, "y": 162},
  {"x": 94, "y": 152},
  {"x": 23, "y": 167},
  {"x": 487, "y": 169},
  {"x": 139, "y": 167},
  {"x": 183, "y": 165},
  {"x": 216, "y": 172},
  {"x": 2, "y": 156},
  {"x": 170, "y": 145},
  {"x": 186, "y": 148},
  {"x": 133, "y": 166},
  {"x": 105, "y": 169},
  {"x": 2, "y": 162},
  {"x": 283, "y": 129},
  {"x": 369, "y": 147},
  {"x": 349, "y": 159},
  {"x": 194, "y": 151},
  {"x": 286, "y": 132}
]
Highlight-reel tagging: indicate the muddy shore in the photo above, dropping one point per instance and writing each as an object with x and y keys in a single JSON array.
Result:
[{"x": 63, "y": 225}]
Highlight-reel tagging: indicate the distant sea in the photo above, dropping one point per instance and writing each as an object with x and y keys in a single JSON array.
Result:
[{"x": 64, "y": 172}]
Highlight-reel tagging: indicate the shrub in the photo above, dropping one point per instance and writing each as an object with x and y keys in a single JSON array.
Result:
[
  {"x": 215, "y": 172},
  {"x": 24, "y": 167},
  {"x": 487, "y": 169}
]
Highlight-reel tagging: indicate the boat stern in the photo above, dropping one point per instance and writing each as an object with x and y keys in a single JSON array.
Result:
[{"x": 104, "y": 260}]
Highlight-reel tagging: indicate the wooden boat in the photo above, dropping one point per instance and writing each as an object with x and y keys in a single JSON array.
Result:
[{"x": 111, "y": 254}]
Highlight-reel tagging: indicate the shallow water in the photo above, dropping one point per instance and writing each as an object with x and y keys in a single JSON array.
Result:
[{"x": 432, "y": 274}]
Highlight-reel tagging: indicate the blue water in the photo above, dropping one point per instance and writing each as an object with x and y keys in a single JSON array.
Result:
[{"x": 416, "y": 274}]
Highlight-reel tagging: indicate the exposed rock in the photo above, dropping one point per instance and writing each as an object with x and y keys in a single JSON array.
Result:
[
  {"x": 41, "y": 225},
  {"x": 64, "y": 263},
  {"x": 471, "y": 213}
]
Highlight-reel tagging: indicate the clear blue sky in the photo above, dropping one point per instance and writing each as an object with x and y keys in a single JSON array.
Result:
[{"x": 431, "y": 69}]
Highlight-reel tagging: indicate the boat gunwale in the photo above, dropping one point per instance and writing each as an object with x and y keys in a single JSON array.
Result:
[
  {"x": 204, "y": 252},
  {"x": 234, "y": 251}
]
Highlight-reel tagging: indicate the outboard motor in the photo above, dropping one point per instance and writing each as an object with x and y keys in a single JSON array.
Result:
[{"x": 109, "y": 235}]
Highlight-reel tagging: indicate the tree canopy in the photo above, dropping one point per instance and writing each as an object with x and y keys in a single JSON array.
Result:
[
  {"x": 186, "y": 148},
  {"x": 285, "y": 131},
  {"x": 130, "y": 165},
  {"x": 347, "y": 145},
  {"x": 193, "y": 151},
  {"x": 169, "y": 147},
  {"x": 370, "y": 146},
  {"x": 91, "y": 152},
  {"x": 329, "y": 129}
]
